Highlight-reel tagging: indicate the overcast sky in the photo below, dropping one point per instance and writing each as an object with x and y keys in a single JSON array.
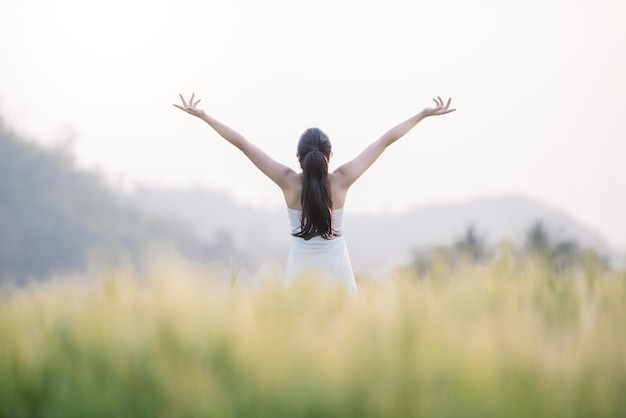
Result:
[{"x": 540, "y": 88}]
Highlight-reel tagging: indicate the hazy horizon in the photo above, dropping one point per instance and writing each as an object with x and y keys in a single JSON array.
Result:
[{"x": 538, "y": 87}]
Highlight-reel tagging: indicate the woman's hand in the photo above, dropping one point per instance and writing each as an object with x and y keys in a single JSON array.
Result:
[
  {"x": 191, "y": 106},
  {"x": 440, "y": 109}
]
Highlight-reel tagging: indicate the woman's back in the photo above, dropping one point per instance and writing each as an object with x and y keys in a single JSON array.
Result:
[
  {"x": 325, "y": 259},
  {"x": 293, "y": 193}
]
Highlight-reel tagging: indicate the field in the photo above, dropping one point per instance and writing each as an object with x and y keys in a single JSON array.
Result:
[{"x": 478, "y": 341}]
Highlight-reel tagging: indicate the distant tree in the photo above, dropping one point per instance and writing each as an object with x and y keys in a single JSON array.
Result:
[
  {"x": 537, "y": 240},
  {"x": 564, "y": 255},
  {"x": 471, "y": 246},
  {"x": 559, "y": 255}
]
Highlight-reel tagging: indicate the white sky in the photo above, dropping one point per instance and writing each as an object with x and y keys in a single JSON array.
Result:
[{"x": 539, "y": 87}]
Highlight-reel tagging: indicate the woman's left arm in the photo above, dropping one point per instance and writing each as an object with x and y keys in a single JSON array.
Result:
[{"x": 349, "y": 172}]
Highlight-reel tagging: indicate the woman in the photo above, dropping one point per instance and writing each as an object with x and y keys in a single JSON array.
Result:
[{"x": 315, "y": 197}]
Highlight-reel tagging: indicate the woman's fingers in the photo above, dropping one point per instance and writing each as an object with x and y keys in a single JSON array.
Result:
[
  {"x": 440, "y": 104},
  {"x": 188, "y": 106},
  {"x": 441, "y": 108},
  {"x": 447, "y": 108}
]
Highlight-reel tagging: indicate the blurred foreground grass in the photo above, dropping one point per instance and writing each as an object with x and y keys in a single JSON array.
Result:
[{"x": 481, "y": 341}]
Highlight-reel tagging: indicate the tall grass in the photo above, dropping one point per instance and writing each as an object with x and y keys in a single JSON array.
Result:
[{"x": 475, "y": 342}]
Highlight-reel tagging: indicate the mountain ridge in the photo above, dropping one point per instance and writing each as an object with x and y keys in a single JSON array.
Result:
[{"x": 374, "y": 240}]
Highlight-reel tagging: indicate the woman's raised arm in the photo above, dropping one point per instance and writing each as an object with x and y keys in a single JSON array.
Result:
[
  {"x": 277, "y": 172},
  {"x": 349, "y": 172}
]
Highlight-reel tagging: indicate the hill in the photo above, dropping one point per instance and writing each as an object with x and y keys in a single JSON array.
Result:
[
  {"x": 375, "y": 240},
  {"x": 56, "y": 219}
]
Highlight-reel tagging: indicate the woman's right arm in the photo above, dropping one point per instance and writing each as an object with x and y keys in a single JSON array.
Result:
[
  {"x": 349, "y": 172},
  {"x": 279, "y": 173}
]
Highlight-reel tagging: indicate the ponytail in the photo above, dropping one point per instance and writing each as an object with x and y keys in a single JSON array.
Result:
[{"x": 316, "y": 199}]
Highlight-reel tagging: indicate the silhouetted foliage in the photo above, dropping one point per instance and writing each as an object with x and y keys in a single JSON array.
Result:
[
  {"x": 537, "y": 240},
  {"x": 471, "y": 246},
  {"x": 564, "y": 256},
  {"x": 559, "y": 255}
]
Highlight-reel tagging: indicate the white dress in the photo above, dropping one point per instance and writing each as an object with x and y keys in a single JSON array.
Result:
[{"x": 327, "y": 259}]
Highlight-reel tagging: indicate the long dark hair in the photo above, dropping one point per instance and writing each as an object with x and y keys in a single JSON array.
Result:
[{"x": 317, "y": 202}]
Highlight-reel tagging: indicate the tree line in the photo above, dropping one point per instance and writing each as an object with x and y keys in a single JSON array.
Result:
[
  {"x": 558, "y": 255},
  {"x": 57, "y": 219}
]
